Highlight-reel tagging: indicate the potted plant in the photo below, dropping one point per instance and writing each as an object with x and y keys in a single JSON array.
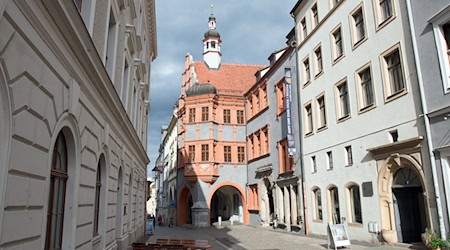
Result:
[{"x": 432, "y": 240}]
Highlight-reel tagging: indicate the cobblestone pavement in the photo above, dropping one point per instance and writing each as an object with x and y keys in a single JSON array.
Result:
[{"x": 240, "y": 237}]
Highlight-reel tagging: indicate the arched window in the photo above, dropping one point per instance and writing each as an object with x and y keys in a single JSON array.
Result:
[
  {"x": 57, "y": 197},
  {"x": 317, "y": 212},
  {"x": 334, "y": 205},
  {"x": 98, "y": 186},
  {"x": 355, "y": 204}
]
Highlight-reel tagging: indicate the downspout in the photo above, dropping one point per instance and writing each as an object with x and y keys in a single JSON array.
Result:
[
  {"x": 427, "y": 122},
  {"x": 300, "y": 128}
]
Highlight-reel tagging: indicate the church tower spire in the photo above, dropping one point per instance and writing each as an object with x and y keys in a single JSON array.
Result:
[{"x": 212, "y": 44}]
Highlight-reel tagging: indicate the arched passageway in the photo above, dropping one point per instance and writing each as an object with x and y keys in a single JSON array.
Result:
[
  {"x": 184, "y": 206},
  {"x": 226, "y": 203}
]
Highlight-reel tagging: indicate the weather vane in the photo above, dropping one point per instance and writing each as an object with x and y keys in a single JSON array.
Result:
[{"x": 212, "y": 7}]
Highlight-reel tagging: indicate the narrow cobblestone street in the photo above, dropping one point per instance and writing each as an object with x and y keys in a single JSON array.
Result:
[{"x": 241, "y": 237}]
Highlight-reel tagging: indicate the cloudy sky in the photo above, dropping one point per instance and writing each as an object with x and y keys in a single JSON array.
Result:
[{"x": 250, "y": 30}]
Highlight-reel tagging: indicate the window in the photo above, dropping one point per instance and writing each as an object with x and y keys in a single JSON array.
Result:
[
  {"x": 367, "y": 98},
  {"x": 317, "y": 215},
  {"x": 265, "y": 149},
  {"x": 192, "y": 115},
  {"x": 441, "y": 29},
  {"x": 394, "y": 78},
  {"x": 313, "y": 164},
  {"x": 281, "y": 94},
  {"x": 264, "y": 95},
  {"x": 285, "y": 161},
  {"x": 250, "y": 147},
  {"x": 226, "y": 116},
  {"x": 125, "y": 83},
  {"x": 319, "y": 64},
  {"x": 385, "y": 9},
  {"x": 330, "y": 160},
  {"x": 227, "y": 153},
  {"x": 335, "y": 215},
  {"x": 359, "y": 30},
  {"x": 349, "y": 159},
  {"x": 205, "y": 114},
  {"x": 57, "y": 196},
  {"x": 344, "y": 102},
  {"x": 304, "y": 30},
  {"x": 322, "y": 112},
  {"x": 309, "y": 119},
  {"x": 315, "y": 16},
  {"x": 306, "y": 72},
  {"x": 205, "y": 152},
  {"x": 236, "y": 204},
  {"x": 333, "y": 3},
  {"x": 111, "y": 46},
  {"x": 394, "y": 135},
  {"x": 355, "y": 205},
  {"x": 253, "y": 197},
  {"x": 241, "y": 154},
  {"x": 98, "y": 185},
  {"x": 257, "y": 144},
  {"x": 78, "y": 4},
  {"x": 250, "y": 106},
  {"x": 240, "y": 116},
  {"x": 338, "y": 47},
  {"x": 192, "y": 153}
]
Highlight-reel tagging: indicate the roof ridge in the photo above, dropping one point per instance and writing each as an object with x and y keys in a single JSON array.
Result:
[{"x": 241, "y": 64}]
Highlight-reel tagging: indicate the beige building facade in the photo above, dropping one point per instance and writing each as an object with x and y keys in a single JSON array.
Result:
[{"x": 74, "y": 87}]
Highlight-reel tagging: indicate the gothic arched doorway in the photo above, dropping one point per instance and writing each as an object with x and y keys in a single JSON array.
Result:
[
  {"x": 403, "y": 196},
  {"x": 184, "y": 206},
  {"x": 409, "y": 207},
  {"x": 226, "y": 202}
]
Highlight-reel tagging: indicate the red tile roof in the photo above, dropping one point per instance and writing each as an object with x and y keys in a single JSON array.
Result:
[{"x": 230, "y": 78}]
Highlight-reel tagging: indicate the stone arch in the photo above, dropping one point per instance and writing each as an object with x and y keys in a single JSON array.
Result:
[
  {"x": 103, "y": 165},
  {"x": 246, "y": 214},
  {"x": 5, "y": 135},
  {"x": 334, "y": 212},
  {"x": 182, "y": 206},
  {"x": 67, "y": 125},
  {"x": 385, "y": 179}
]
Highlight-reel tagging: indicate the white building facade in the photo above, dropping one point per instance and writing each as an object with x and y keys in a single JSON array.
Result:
[
  {"x": 363, "y": 138},
  {"x": 74, "y": 87}
]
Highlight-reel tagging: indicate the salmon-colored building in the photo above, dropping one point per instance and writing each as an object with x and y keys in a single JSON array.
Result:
[{"x": 212, "y": 172}]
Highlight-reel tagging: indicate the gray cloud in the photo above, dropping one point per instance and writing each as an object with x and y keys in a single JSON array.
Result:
[{"x": 250, "y": 31}]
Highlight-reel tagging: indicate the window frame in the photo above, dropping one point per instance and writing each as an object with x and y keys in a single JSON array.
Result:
[
  {"x": 205, "y": 152},
  {"x": 318, "y": 61},
  {"x": 362, "y": 107},
  {"x": 318, "y": 205},
  {"x": 336, "y": 58},
  {"x": 241, "y": 154},
  {"x": 285, "y": 162},
  {"x": 226, "y": 116},
  {"x": 322, "y": 116},
  {"x": 240, "y": 116},
  {"x": 306, "y": 70},
  {"x": 353, "y": 28},
  {"x": 304, "y": 28},
  {"x": 191, "y": 153},
  {"x": 192, "y": 112},
  {"x": 348, "y": 156},
  {"x": 308, "y": 119},
  {"x": 281, "y": 96},
  {"x": 313, "y": 164},
  {"x": 98, "y": 186},
  {"x": 205, "y": 114},
  {"x": 227, "y": 154},
  {"x": 379, "y": 19},
  {"x": 314, "y": 16},
  {"x": 338, "y": 96},
  {"x": 330, "y": 164},
  {"x": 351, "y": 210},
  {"x": 386, "y": 77},
  {"x": 438, "y": 21}
]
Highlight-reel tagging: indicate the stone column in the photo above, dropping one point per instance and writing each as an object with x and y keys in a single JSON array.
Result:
[
  {"x": 280, "y": 205},
  {"x": 263, "y": 203},
  {"x": 287, "y": 209},
  {"x": 293, "y": 205}
]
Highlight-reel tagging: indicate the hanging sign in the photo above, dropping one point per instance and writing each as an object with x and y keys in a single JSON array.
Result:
[{"x": 288, "y": 95}]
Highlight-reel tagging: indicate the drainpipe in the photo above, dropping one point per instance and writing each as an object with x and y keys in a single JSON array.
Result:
[
  {"x": 427, "y": 121},
  {"x": 300, "y": 128}
]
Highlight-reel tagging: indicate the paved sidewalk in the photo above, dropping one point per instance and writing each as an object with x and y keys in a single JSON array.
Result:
[{"x": 241, "y": 237}]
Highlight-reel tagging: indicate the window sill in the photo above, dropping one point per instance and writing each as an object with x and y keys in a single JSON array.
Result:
[
  {"x": 287, "y": 173},
  {"x": 367, "y": 108},
  {"x": 348, "y": 165},
  {"x": 322, "y": 128},
  {"x": 384, "y": 23},
  {"x": 318, "y": 74},
  {"x": 329, "y": 169},
  {"x": 344, "y": 118},
  {"x": 308, "y": 134},
  {"x": 281, "y": 112},
  {"x": 258, "y": 157},
  {"x": 306, "y": 83},
  {"x": 253, "y": 210},
  {"x": 317, "y": 221},
  {"x": 314, "y": 172},
  {"x": 396, "y": 95},
  {"x": 352, "y": 224},
  {"x": 358, "y": 43},
  {"x": 257, "y": 114},
  {"x": 96, "y": 239},
  {"x": 337, "y": 59}
]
